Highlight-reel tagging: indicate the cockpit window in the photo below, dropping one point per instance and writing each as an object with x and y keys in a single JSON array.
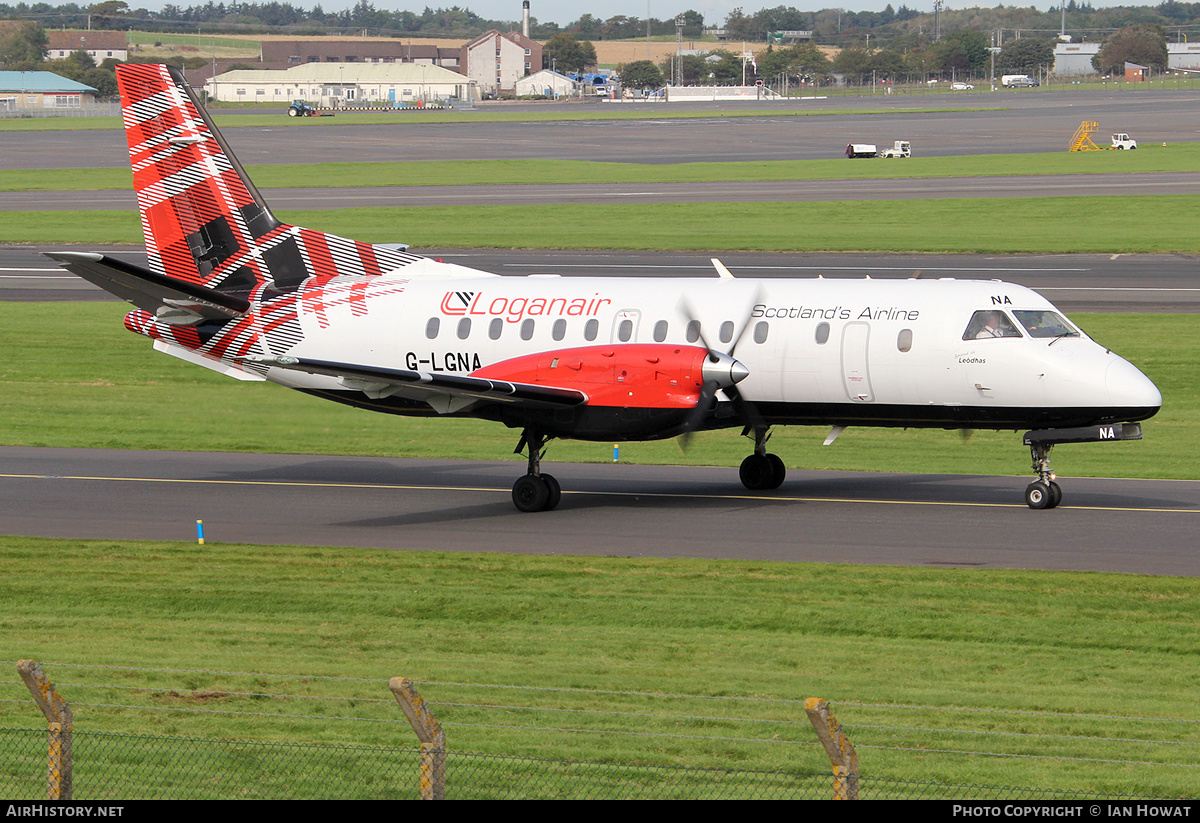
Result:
[
  {"x": 1046, "y": 324},
  {"x": 985, "y": 325}
]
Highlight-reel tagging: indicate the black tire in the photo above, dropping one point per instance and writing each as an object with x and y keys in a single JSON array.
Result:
[
  {"x": 1037, "y": 495},
  {"x": 756, "y": 473},
  {"x": 555, "y": 492},
  {"x": 778, "y": 471},
  {"x": 293, "y": 113},
  {"x": 1055, "y": 495},
  {"x": 530, "y": 494}
]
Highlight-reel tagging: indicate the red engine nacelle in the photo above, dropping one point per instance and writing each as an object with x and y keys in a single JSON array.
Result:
[{"x": 625, "y": 375}]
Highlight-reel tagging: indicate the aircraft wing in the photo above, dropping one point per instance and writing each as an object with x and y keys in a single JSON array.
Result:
[
  {"x": 171, "y": 300},
  {"x": 445, "y": 392}
]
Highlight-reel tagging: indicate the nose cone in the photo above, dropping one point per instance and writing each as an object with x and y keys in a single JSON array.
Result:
[
  {"x": 1131, "y": 389},
  {"x": 723, "y": 370}
]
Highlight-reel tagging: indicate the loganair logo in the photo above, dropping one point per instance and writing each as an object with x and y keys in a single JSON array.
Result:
[
  {"x": 514, "y": 309},
  {"x": 457, "y": 302}
]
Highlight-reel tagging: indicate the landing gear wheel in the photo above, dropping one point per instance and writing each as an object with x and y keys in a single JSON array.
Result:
[
  {"x": 762, "y": 472},
  {"x": 554, "y": 490},
  {"x": 1055, "y": 495},
  {"x": 1038, "y": 495},
  {"x": 530, "y": 494},
  {"x": 755, "y": 472},
  {"x": 778, "y": 470}
]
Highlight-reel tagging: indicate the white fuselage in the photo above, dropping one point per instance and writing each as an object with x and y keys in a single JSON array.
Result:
[{"x": 880, "y": 352}]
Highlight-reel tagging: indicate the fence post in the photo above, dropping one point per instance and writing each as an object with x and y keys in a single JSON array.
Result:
[
  {"x": 837, "y": 746},
  {"x": 62, "y": 723},
  {"x": 429, "y": 732}
]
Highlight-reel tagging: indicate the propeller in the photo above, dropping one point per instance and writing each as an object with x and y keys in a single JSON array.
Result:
[{"x": 721, "y": 372}]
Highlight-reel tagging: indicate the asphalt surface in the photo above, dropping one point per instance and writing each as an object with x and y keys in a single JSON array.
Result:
[
  {"x": 1014, "y": 122},
  {"x": 1140, "y": 526}
]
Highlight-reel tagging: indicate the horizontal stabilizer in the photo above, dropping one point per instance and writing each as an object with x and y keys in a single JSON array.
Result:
[
  {"x": 172, "y": 301},
  {"x": 375, "y": 379}
]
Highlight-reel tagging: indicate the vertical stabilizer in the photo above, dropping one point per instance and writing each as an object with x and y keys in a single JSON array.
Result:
[{"x": 203, "y": 220}]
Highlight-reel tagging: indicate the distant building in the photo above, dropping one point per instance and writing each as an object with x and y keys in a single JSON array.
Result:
[
  {"x": 1135, "y": 73},
  {"x": 341, "y": 84},
  {"x": 546, "y": 82},
  {"x": 42, "y": 90},
  {"x": 296, "y": 52},
  {"x": 1183, "y": 55},
  {"x": 101, "y": 45},
  {"x": 496, "y": 61},
  {"x": 1076, "y": 58}
]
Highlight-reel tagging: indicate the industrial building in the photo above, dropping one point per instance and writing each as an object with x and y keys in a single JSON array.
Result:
[
  {"x": 336, "y": 85},
  {"x": 42, "y": 91},
  {"x": 1076, "y": 58}
]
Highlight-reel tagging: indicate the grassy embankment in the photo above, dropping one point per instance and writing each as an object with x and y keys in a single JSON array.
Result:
[
  {"x": 1057, "y": 657},
  {"x": 1180, "y": 157}
]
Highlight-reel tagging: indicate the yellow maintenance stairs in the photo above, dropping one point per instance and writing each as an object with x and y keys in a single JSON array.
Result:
[{"x": 1082, "y": 141}]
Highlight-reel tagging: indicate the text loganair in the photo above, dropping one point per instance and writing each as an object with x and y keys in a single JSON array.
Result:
[{"x": 515, "y": 309}]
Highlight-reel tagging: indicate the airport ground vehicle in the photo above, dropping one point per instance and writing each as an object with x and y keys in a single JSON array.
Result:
[
  {"x": 901, "y": 148},
  {"x": 862, "y": 150},
  {"x": 1123, "y": 141},
  {"x": 961, "y": 87},
  {"x": 301, "y": 109}
]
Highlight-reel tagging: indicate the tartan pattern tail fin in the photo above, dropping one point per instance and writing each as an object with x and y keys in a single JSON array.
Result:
[{"x": 203, "y": 220}]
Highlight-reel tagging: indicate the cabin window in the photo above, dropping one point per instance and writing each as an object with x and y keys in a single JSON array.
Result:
[
  {"x": 527, "y": 329},
  {"x": 559, "y": 330},
  {"x": 431, "y": 328},
  {"x": 660, "y": 331},
  {"x": 496, "y": 327},
  {"x": 1046, "y": 324},
  {"x": 590, "y": 329},
  {"x": 822, "y": 334},
  {"x": 904, "y": 340},
  {"x": 760, "y": 332},
  {"x": 464, "y": 328},
  {"x": 986, "y": 325},
  {"x": 625, "y": 331},
  {"x": 726, "y": 332},
  {"x": 693, "y": 331}
]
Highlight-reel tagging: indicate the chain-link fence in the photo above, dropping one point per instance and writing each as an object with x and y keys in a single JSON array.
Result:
[
  {"x": 142, "y": 767},
  {"x": 132, "y": 733}
]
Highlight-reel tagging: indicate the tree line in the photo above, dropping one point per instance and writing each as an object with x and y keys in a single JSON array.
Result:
[{"x": 893, "y": 28}]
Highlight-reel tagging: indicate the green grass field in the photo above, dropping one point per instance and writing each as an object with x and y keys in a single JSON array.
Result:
[
  {"x": 1102, "y": 224},
  {"x": 1183, "y": 156},
  {"x": 1078, "y": 647}
]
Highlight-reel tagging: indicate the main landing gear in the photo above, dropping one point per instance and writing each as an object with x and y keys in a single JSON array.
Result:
[
  {"x": 535, "y": 491},
  {"x": 762, "y": 471}
]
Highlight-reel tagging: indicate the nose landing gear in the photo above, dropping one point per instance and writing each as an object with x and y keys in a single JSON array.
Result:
[{"x": 1044, "y": 493}]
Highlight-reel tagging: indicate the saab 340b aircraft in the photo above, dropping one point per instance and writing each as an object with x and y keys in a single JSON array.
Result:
[{"x": 233, "y": 289}]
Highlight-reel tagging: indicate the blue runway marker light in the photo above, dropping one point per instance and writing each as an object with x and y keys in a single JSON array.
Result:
[{"x": 200, "y": 532}]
